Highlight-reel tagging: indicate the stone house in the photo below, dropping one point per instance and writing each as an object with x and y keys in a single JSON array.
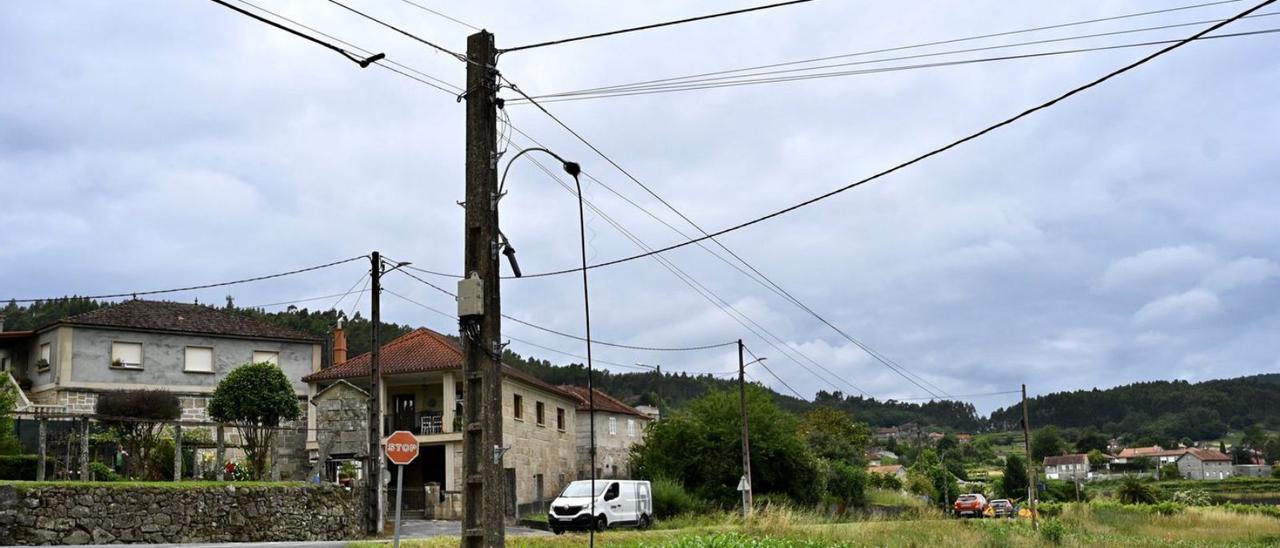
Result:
[
  {"x": 422, "y": 393},
  {"x": 1067, "y": 467},
  {"x": 896, "y": 470},
  {"x": 1201, "y": 464},
  {"x": 619, "y": 427},
  {"x": 185, "y": 349}
]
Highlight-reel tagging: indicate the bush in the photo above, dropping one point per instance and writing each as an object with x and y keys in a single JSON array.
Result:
[
  {"x": 1275, "y": 472},
  {"x": 1192, "y": 497},
  {"x": 671, "y": 499},
  {"x": 846, "y": 483},
  {"x": 1133, "y": 491},
  {"x": 141, "y": 415},
  {"x": 1053, "y": 531},
  {"x": 101, "y": 472},
  {"x": 18, "y": 467},
  {"x": 1166, "y": 508},
  {"x": 884, "y": 481},
  {"x": 1049, "y": 509}
]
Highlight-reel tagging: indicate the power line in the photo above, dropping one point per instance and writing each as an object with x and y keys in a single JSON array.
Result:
[
  {"x": 775, "y": 375},
  {"x": 787, "y": 295},
  {"x": 445, "y": 16},
  {"x": 961, "y": 397},
  {"x": 363, "y": 62},
  {"x": 320, "y": 298},
  {"x": 745, "y": 80},
  {"x": 577, "y": 337},
  {"x": 421, "y": 77},
  {"x": 908, "y": 47},
  {"x": 651, "y": 26},
  {"x": 439, "y": 48},
  {"x": 135, "y": 294},
  {"x": 919, "y": 158},
  {"x": 530, "y": 343}
]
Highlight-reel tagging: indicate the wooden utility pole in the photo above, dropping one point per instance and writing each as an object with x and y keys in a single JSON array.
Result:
[
  {"x": 373, "y": 468},
  {"x": 482, "y": 512},
  {"x": 1032, "y": 476},
  {"x": 746, "y": 433}
]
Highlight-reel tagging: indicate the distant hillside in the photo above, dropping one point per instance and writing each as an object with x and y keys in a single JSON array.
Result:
[{"x": 1160, "y": 409}]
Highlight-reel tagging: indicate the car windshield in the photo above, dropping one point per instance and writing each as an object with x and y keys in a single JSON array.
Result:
[
  {"x": 967, "y": 498},
  {"x": 583, "y": 489}
]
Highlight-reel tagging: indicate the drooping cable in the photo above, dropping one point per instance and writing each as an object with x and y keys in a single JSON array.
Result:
[
  {"x": 442, "y": 15},
  {"x": 362, "y": 61},
  {"x": 412, "y": 36}
]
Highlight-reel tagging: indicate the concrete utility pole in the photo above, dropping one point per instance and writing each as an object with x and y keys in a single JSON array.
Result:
[
  {"x": 373, "y": 470},
  {"x": 1032, "y": 476},
  {"x": 746, "y": 435},
  {"x": 482, "y": 513}
]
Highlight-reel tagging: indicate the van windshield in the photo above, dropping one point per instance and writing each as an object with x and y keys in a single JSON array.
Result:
[{"x": 583, "y": 489}]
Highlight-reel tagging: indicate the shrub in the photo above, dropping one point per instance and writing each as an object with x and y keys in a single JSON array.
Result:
[
  {"x": 671, "y": 499},
  {"x": 1275, "y": 472},
  {"x": 255, "y": 398},
  {"x": 1133, "y": 491},
  {"x": 884, "y": 481},
  {"x": 1166, "y": 508},
  {"x": 1053, "y": 531},
  {"x": 846, "y": 483},
  {"x": 101, "y": 472},
  {"x": 1192, "y": 497},
  {"x": 139, "y": 416},
  {"x": 1049, "y": 509},
  {"x": 18, "y": 467}
]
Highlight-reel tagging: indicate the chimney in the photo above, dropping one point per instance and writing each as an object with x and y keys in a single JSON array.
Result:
[{"x": 339, "y": 344}]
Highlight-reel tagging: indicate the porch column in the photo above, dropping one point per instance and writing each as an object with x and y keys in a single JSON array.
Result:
[{"x": 448, "y": 401}]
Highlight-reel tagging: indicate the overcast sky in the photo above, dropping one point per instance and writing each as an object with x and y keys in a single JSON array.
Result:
[{"x": 1130, "y": 233}]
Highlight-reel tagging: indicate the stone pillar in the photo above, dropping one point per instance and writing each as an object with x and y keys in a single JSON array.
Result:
[
  {"x": 177, "y": 452},
  {"x": 43, "y": 436},
  {"x": 448, "y": 402},
  {"x": 221, "y": 455},
  {"x": 431, "y": 501},
  {"x": 84, "y": 449}
]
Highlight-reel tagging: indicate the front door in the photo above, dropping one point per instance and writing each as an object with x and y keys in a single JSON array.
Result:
[{"x": 404, "y": 409}]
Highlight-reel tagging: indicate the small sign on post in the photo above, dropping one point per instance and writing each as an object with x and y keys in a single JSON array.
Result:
[{"x": 401, "y": 449}]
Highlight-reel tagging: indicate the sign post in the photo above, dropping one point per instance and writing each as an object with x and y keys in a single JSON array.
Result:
[{"x": 401, "y": 449}]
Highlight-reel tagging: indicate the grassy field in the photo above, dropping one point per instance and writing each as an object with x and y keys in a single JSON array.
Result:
[{"x": 1078, "y": 525}]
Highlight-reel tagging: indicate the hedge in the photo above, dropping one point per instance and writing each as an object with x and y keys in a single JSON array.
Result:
[{"x": 18, "y": 467}]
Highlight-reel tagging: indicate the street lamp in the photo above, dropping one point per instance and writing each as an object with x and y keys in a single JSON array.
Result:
[{"x": 573, "y": 169}]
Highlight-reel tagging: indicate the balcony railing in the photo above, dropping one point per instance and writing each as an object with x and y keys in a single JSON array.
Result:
[{"x": 421, "y": 423}]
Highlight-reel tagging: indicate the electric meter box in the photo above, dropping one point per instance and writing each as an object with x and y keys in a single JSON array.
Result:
[{"x": 471, "y": 296}]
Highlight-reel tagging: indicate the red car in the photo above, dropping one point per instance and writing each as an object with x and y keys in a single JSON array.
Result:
[{"x": 972, "y": 505}]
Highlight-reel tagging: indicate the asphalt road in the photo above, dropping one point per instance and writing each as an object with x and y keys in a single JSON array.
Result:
[{"x": 409, "y": 529}]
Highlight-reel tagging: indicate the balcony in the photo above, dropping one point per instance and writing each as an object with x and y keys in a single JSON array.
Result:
[{"x": 424, "y": 423}]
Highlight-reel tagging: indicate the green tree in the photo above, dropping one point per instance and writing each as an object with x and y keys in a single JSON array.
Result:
[
  {"x": 1273, "y": 450},
  {"x": 1133, "y": 491},
  {"x": 1046, "y": 442},
  {"x": 1254, "y": 438},
  {"x": 137, "y": 418},
  {"x": 255, "y": 398},
  {"x": 1170, "y": 472},
  {"x": 943, "y": 487},
  {"x": 700, "y": 447},
  {"x": 1091, "y": 440},
  {"x": 1014, "y": 483},
  {"x": 833, "y": 435},
  {"x": 846, "y": 483},
  {"x": 9, "y": 444},
  {"x": 1097, "y": 458}
]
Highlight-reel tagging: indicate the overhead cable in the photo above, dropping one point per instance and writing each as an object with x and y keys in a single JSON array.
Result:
[
  {"x": 652, "y": 26},
  {"x": 441, "y": 14},
  {"x": 415, "y": 37},
  {"x": 362, "y": 61},
  {"x": 135, "y": 294}
]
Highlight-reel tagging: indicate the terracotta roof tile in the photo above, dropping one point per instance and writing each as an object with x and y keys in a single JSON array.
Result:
[
  {"x": 1066, "y": 459},
  {"x": 604, "y": 402},
  {"x": 1208, "y": 455},
  {"x": 184, "y": 318}
]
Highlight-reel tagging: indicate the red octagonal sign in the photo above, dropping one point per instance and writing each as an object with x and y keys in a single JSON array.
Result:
[{"x": 402, "y": 447}]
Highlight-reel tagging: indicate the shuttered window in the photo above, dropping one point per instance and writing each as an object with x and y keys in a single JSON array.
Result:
[
  {"x": 265, "y": 356},
  {"x": 199, "y": 359},
  {"x": 126, "y": 354}
]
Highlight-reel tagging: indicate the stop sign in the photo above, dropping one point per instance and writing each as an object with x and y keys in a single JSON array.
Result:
[{"x": 402, "y": 447}]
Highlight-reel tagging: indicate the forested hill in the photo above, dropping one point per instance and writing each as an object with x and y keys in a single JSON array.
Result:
[{"x": 1160, "y": 409}]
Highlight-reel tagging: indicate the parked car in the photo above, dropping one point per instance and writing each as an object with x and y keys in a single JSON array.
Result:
[
  {"x": 972, "y": 505},
  {"x": 1002, "y": 508},
  {"x": 618, "y": 503}
]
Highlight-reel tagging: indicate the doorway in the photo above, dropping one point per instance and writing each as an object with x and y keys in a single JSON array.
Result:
[{"x": 404, "y": 408}]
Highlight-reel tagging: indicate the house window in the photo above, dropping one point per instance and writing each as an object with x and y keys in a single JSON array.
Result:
[
  {"x": 517, "y": 403},
  {"x": 540, "y": 413},
  {"x": 126, "y": 354},
  {"x": 613, "y": 426},
  {"x": 4, "y": 364},
  {"x": 560, "y": 421},
  {"x": 266, "y": 356},
  {"x": 198, "y": 359},
  {"x": 45, "y": 357},
  {"x": 631, "y": 428}
]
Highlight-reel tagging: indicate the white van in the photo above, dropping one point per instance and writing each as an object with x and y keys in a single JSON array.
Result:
[{"x": 618, "y": 503}]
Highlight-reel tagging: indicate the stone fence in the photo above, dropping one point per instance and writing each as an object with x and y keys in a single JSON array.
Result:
[{"x": 75, "y": 513}]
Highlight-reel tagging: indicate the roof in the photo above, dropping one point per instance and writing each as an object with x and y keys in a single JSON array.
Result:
[
  {"x": 604, "y": 402},
  {"x": 419, "y": 351},
  {"x": 184, "y": 318},
  {"x": 888, "y": 469},
  {"x": 1066, "y": 459},
  {"x": 1206, "y": 455},
  {"x": 1134, "y": 452}
]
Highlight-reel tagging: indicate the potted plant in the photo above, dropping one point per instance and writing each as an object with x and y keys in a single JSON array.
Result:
[
  {"x": 42, "y": 364},
  {"x": 117, "y": 363}
]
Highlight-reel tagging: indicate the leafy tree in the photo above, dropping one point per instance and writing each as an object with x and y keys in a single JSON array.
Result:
[
  {"x": 1222, "y": 447},
  {"x": 1275, "y": 472},
  {"x": 1143, "y": 463},
  {"x": 947, "y": 444},
  {"x": 833, "y": 435},
  {"x": 1091, "y": 440},
  {"x": 1170, "y": 471},
  {"x": 700, "y": 448},
  {"x": 9, "y": 444},
  {"x": 1133, "y": 491},
  {"x": 1096, "y": 458},
  {"x": 943, "y": 487},
  {"x": 1014, "y": 483},
  {"x": 136, "y": 418},
  {"x": 255, "y": 398},
  {"x": 846, "y": 483},
  {"x": 1254, "y": 438},
  {"x": 1272, "y": 450},
  {"x": 1046, "y": 442}
]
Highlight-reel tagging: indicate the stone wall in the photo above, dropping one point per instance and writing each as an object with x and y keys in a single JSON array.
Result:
[{"x": 82, "y": 514}]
